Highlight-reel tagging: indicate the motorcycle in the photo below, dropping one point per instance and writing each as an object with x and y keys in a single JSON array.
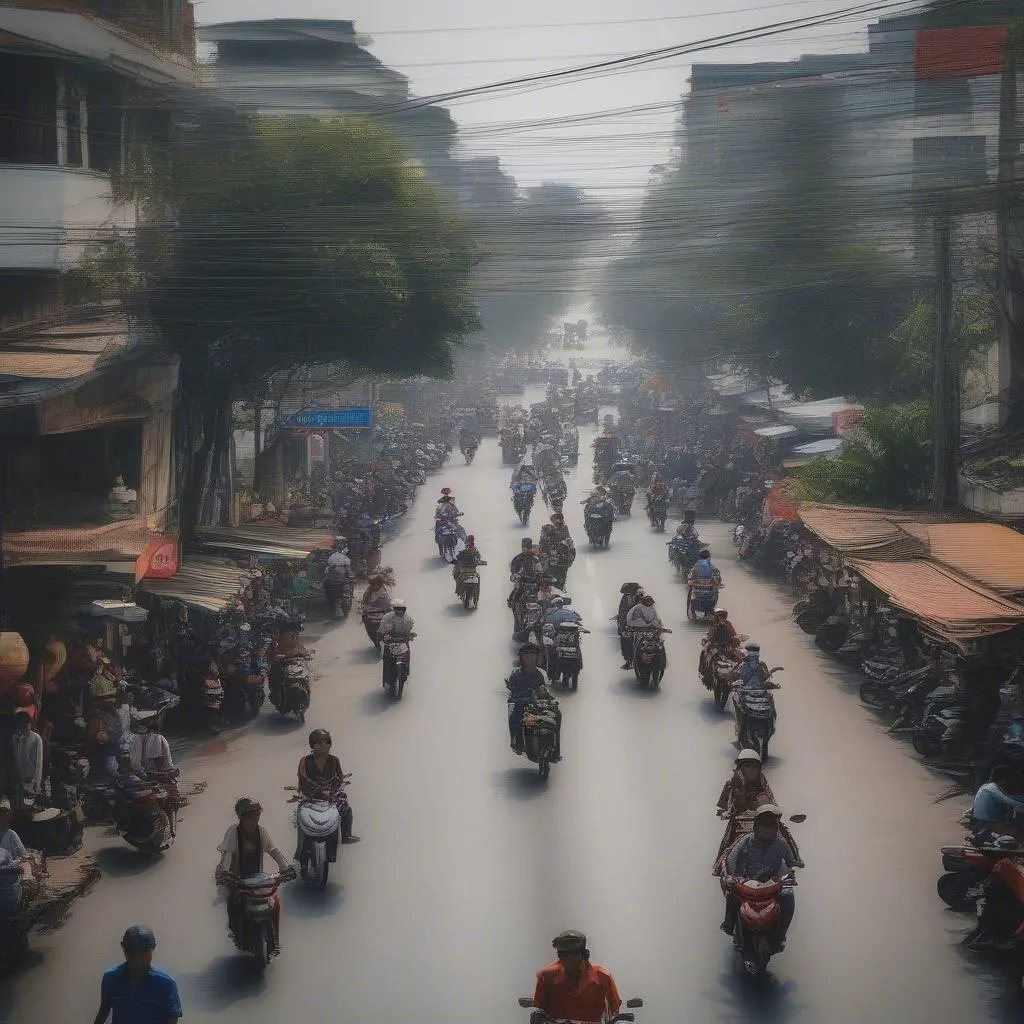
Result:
[
  {"x": 759, "y": 912},
  {"x": 649, "y": 656},
  {"x": 657, "y": 513},
  {"x": 522, "y": 501},
  {"x": 526, "y": 1002},
  {"x": 540, "y": 735},
  {"x": 1000, "y": 924},
  {"x": 446, "y": 536},
  {"x": 143, "y": 810},
  {"x": 555, "y": 495},
  {"x": 558, "y": 561},
  {"x": 257, "y": 931},
  {"x": 944, "y": 726},
  {"x": 295, "y": 688},
  {"x": 701, "y": 599},
  {"x": 756, "y": 711},
  {"x": 318, "y": 821},
  {"x": 622, "y": 499},
  {"x": 718, "y": 667},
  {"x": 338, "y": 593},
  {"x": 469, "y": 451},
  {"x": 467, "y": 586},
  {"x": 395, "y": 668},
  {"x": 598, "y": 524},
  {"x": 967, "y": 866},
  {"x": 565, "y": 655},
  {"x": 682, "y": 553}
]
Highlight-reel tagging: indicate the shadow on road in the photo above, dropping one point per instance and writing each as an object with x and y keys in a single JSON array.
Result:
[
  {"x": 364, "y": 656},
  {"x": 627, "y": 686},
  {"x": 457, "y": 610},
  {"x": 123, "y": 861},
  {"x": 766, "y": 1000},
  {"x": 226, "y": 981},
  {"x": 520, "y": 783},
  {"x": 377, "y": 702},
  {"x": 275, "y": 724},
  {"x": 302, "y": 901}
]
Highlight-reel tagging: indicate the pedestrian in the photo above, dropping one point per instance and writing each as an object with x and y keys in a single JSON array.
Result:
[
  {"x": 136, "y": 992},
  {"x": 27, "y": 753}
]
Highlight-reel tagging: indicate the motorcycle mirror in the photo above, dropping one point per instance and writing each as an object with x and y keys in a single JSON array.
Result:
[
  {"x": 797, "y": 818},
  {"x": 525, "y": 1002},
  {"x": 635, "y": 1003}
]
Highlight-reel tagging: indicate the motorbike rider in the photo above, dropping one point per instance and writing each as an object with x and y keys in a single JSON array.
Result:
[
  {"x": 285, "y": 648},
  {"x": 999, "y": 804},
  {"x": 375, "y": 597},
  {"x": 658, "y": 491},
  {"x": 746, "y": 789},
  {"x": 395, "y": 625},
  {"x": 687, "y": 529},
  {"x": 469, "y": 435},
  {"x": 522, "y": 683},
  {"x": 15, "y": 864},
  {"x": 704, "y": 572},
  {"x": 571, "y": 987},
  {"x": 525, "y": 567},
  {"x": 241, "y": 854},
  {"x": 753, "y": 676},
  {"x": 339, "y": 564},
  {"x": 320, "y": 774},
  {"x": 721, "y": 636},
  {"x": 148, "y": 748},
  {"x": 446, "y": 507},
  {"x": 762, "y": 855},
  {"x": 468, "y": 558},
  {"x": 630, "y": 594},
  {"x": 547, "y": 593},
  {"x": 523, "y": 474},
  {"x": 559, "y": 612},
  {"x": 643, "y": 615}
]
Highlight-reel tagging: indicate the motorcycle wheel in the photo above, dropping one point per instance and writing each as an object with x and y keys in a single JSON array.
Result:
[
  {"x": 400, "y": 677},
  {"x": 926, "y": 744},
  {"x": 953, "y": 887},
  {"x": 810, "y": 620},
  {"x": 319, "y": 866},
  {"x": 544, "y": 768},
  {"x": 465, "y": 600},
  {"x": 764, "y": 745},
  {"x": 872, "y": 694},
  {"x": 262, "y": 949},
  {"x": 573, "y": 681}
]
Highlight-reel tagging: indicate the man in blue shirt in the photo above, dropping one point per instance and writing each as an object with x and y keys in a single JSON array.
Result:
[{"x": 135, "y": 991}]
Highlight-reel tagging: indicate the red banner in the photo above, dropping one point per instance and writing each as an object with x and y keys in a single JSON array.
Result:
[
  {"x": 960, "y": 52},
  {"x": 159, "y": 560},
  {"x": 845, "y": 421}
]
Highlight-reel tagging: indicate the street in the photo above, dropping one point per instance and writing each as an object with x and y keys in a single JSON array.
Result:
[{"x": 469, "y": 864}]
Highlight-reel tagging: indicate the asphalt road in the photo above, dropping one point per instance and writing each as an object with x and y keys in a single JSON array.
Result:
[{"x": 469, "y": 864}]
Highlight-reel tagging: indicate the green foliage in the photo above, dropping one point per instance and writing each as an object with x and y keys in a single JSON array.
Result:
[
  {"x": 886, "y": 463},
  {"x": 305, "y": 242}
]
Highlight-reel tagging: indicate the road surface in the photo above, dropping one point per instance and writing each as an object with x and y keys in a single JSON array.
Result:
[{"x": 469, "y": 865}]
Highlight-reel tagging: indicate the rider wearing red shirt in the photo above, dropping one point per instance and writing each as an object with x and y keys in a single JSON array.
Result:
[{"x": 571, "y": 987}]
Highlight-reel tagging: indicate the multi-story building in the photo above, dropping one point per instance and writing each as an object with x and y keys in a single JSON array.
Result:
[
  {"x": 322, "y": 68},
  {"x": 86, "y": 405}
]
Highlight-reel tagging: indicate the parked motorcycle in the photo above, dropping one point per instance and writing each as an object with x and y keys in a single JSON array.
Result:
[
  {"x": 1000, "y": 924},
  {"x": 295, "y": 688},
  {"x": 968, "y": 865},
  {"x": 649, "y": 656},
  {"x": 257, "y": 931},
  {"x": 143, "y": 810},
  {"x": 945, "y": 724}
]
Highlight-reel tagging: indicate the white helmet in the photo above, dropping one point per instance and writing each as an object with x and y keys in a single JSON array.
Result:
[{"x": 398, "y": 603}]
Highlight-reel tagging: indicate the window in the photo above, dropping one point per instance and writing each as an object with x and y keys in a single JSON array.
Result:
[
  {"x": 28, "y": 111},
  {"x": 73, "y": 125}
]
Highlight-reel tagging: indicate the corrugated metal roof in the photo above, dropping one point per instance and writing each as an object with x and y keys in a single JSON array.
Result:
[
  {"x": 268, "y": 541},
  {"x": 860, "y": 531},
  {"x": 207, "y": 583},
  {"x": 86, "y": 545},
  {"x": 947, "y": 603},
  {"x": 987, "y": 552}
]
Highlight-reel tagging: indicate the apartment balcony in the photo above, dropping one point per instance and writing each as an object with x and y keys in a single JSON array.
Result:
[{"x": 50, "y": 215}]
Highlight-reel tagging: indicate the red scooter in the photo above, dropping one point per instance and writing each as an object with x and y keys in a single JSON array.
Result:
[{"x": 756, "y": 932}]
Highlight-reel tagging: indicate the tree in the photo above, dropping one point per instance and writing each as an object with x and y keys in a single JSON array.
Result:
[
  {"x": 300, "y": 242},
  {"x": 887, "y": 462}
]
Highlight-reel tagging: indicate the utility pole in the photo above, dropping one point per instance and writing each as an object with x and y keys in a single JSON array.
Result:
[{"x": 944, "y": 430}]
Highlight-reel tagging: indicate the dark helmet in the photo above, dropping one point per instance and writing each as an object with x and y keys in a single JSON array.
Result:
[
  {"x": 529, "y": 649},
  {"x": 690, "y": 515},
  {"x": 570, "y": 941},
  {"x": 704, "y": 553},
  {"x": 721, "y": 613},
  {"x": 646, "y": 598},
  {"x": 319, "y": 736},
  {"x": 527, "y": 542},
  {"x": 138, "y": 937},
  {"x": 629, "y": 588},
  {"x": 246, "y": 806}
]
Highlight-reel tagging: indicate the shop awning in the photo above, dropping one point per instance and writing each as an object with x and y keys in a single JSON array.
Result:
[
  {"x": 264, "y": 541},
  {"x": 865, "y": 532},
  {"x": 778, "y": 430},
  {"x": 987, "y": 552},
  {"x": 948, "y": 604},
  {"x": 207, "y": 583}
]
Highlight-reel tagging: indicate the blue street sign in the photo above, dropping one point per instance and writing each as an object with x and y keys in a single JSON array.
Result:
[{"x": 354, "y": 417}]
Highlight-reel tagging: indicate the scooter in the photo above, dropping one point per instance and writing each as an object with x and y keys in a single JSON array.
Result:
[
  {"x": 522, "y": 501},
  {"x": 295, "y": 688},
  {"x": 701, "y": 599},
  {"x": 257, "y": 931},
  {"x": 657, "y": 513},
  {"x": 319, "y": 826},
  {"x": 598, "y": 524},
  {"x": 540, "y": 735},
  {"x": 756, "y": 710},
  {"x": 397, "y": 658},
  {"x": 649, "y": 656},
  {"x": 758, "y": 915},
  {"x": 338, "y": 594},
  {"x": 526, "y": 1002},
  {"x": 467, "y": 586},
  {"x": 565, "y": 655},
  {"x": 446, "y": 536},
  {"x": 967, "y": 866}
]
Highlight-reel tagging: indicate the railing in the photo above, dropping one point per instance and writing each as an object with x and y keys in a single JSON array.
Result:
[{"x": 25, "y": 140}]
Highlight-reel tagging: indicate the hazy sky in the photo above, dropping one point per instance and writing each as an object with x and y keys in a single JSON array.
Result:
[{"x": 485, "y": 42}]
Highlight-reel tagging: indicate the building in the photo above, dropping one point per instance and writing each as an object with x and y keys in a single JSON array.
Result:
[
  {"x": 321, "y": 68},
  {"x": 88, "y": 91}
]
